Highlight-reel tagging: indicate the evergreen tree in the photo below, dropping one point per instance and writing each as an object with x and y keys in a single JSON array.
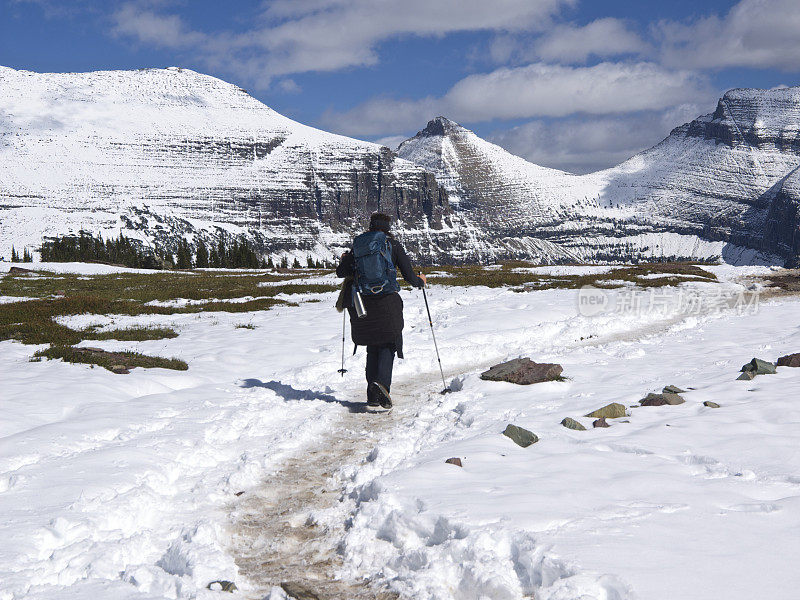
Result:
[
  {"x": 270, "y": 264},
  {"x": 222, "y": 256},
  {"x": 296, "y": 264},
  {"x": 285, "y": 262},
  {"x": 14, "y": 255},
  {"x": 202, "y": 255},
  {"x": 183, "y": 256},
  {"x": 26, "y": 256}
]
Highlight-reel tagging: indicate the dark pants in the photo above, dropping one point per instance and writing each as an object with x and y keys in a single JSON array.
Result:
[{"x": 379, "y": 366}]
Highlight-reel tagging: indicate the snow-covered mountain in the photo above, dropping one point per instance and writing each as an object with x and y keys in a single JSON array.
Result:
[
  {"x": 160, "y": 151},
  {"x": 719, "y": 186}
]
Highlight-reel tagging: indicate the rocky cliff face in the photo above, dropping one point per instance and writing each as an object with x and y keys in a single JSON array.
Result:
[
  {"x": 163, "y": 151},
  {"x": 782, "y": 224}
]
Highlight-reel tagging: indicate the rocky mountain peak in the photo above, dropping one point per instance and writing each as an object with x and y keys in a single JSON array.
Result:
[
  {"x": 754, "y": 117},
  {"x": 439, "y": 127}
]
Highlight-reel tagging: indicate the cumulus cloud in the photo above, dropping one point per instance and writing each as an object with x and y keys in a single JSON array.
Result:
[
  {"x": 603, "y": 38},
  {"x": 536, "y": 90},
  {"x": 755, "y": 33},
  {"x": 583, "y": 145},
  {"x": 295, "y": 36}
]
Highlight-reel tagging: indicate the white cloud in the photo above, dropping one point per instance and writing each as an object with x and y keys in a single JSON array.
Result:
[
  {"x": 583, "y": 145},
  {"x": 289, "y": 86},
  {"x": 391, "y": 141},
  {"x": 603, "y": 38},
  {"x": 755, "y": 33},
  {"x": 536, "y": 90},
  {"x": 295, "y": 36},
  {"x": 149, "y": 27}
]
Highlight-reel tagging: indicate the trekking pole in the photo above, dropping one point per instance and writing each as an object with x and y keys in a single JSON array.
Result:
[
  {"x": 343, "y": 370},
  {"x": 446, "y": 389}
]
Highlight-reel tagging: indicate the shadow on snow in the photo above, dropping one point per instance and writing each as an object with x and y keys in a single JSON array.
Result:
[{"x": 287, "y": 392}]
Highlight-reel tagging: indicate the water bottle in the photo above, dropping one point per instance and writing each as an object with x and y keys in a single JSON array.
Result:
[{"x": 358, "y": 303}]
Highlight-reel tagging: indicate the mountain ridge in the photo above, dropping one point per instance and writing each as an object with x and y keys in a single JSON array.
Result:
[
  {"x": 703, "y": 189},
  {"x": 163, "y": 153}
]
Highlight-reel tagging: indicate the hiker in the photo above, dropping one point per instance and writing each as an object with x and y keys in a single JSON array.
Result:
[{"x": 372, "y": 265}]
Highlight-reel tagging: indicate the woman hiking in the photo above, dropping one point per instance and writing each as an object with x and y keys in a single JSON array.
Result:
[{"x": 372, "y": 265}]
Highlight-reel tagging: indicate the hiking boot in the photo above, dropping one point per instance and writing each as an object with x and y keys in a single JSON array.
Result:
[
  {"x": 372, "y": 402},
  {"x": 382, "y": 395}
]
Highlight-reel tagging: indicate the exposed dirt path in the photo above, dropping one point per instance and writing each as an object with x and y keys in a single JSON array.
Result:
[{"x": 276, "y": 539}]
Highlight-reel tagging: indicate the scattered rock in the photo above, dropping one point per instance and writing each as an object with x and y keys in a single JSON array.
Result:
[
  {"x": 672, "y": 389},
  {"x": 759, "y": 367},
  {"x": 520, "y": 436},
  {"x": 601, "y": 423},
  {"x": 710, "y": 404},
  {"x": 790, "y": 360},
  {"x": 298, "y": 591},
  {"x": 746, "y": 376},
  {"x": 454, "y": 461},
  {"x": 523, "y": 371},
  {"x": 238, "y": 493},
  {"x": 615, "y": 410},
  {"x": 120, "y": 369},
  {"x": 661, "y": 400},
  {"x": 222, "y": 586},
  {"x": 571, "y": 423}
]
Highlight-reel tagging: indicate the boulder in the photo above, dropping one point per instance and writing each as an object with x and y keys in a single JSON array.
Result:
[
  {"x": 672, "y": 389},
  {"x": 710, "y": 404},
  {"x": 119, "y": 369},
  {"x": 454, "y": 461},
  {"x": 600, "y": 423},
  {"x": 661, "y": 400},
  {"x": 759, "y": 367},
  {"x": 571, "y": 423},
  {"x": 298, "y": 591},
  {"x": 790, "y": 360},
  {"x": 520, "y": 436},
  {"x": 523, "y": 371},
  {"x": 746, "y": 376},
  {"x": 222, "y": 586},
  {"x": 615, "y": 410}
]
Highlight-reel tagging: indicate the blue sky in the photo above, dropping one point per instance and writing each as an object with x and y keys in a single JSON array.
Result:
[{"x": 572, "y": 84}]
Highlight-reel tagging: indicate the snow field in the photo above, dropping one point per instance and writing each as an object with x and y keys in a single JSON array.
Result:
[{"x": 123, "y": 486}]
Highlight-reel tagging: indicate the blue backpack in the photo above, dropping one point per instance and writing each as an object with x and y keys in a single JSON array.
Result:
[{"x": 375, "y": 272}]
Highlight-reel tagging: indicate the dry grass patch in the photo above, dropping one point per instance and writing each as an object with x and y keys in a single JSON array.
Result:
[
  {"x": 644, "y": 276},
  {"x": 64, "y": 295},
  {"x": 110, "y": 360}
]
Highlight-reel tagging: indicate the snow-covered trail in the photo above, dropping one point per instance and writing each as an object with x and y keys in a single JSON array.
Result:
[{"x": 290, "y": 529}]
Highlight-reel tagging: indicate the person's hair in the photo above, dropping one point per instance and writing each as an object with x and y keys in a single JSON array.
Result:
[{"x": 380, "y": 222}]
